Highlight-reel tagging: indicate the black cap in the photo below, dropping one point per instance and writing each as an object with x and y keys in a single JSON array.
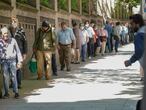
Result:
[{"x": 45, "y": 23}]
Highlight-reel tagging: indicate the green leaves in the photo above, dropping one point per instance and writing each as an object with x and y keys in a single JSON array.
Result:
[
  {"x": 75, "y": 5},
  {"x": 63, "y": 4},
  {"x": 47, "y": 3},
  {"x": 132, "y": 3}
]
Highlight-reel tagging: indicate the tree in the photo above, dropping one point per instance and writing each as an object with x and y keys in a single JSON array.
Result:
[{"x": 130, "y": 4}]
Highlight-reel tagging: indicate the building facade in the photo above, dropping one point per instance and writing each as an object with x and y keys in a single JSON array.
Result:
[{"x": 31, "y": 13}]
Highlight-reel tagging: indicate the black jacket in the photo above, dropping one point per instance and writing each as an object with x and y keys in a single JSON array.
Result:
[{"x": 20, "y": 37}]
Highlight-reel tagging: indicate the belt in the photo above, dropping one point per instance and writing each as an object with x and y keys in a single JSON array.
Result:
[{"x": 64, "y": 44}]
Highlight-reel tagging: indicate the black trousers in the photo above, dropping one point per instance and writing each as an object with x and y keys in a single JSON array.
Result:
[{"x": 54, "y": 64}]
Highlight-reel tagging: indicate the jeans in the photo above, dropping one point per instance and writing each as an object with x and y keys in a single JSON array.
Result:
[
  {"x": 9, "y": 70},
  {"x": 116, "y": 45},
  {"x": 109, "y": 44},
  {"x": 54, "y": 65},
  {"x": 83, "y": 52}
]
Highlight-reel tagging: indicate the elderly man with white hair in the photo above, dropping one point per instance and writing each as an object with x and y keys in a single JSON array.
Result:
[{"x": 11, "y": 61}]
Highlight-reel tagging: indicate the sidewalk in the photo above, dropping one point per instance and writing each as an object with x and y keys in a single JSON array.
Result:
[{"x": 99, "y": 84}]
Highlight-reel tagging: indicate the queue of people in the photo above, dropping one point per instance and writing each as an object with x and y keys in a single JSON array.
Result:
[{"x": 75, "y": 45}]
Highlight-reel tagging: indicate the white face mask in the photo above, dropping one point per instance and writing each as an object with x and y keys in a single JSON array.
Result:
[
  {"x": 82, "y": 28},
  {"x": 87, "y": 25},
  {"x": 14, "y": 25}
]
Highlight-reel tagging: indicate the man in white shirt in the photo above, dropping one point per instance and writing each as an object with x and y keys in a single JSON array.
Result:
[
  {"x": 11, "y": 61},
  {"x": 91, "y": 34}
]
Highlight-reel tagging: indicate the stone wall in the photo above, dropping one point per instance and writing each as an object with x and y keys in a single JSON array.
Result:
[{"x": 30, "y": 18}]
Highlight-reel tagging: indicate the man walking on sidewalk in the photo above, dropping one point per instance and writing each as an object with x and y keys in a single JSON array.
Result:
[
  {"x": 139, "y": 28},
  {"x": 43, "y": 47},
  {"x": 19, "y": 35},
  {"x": 11, "y": 61}
]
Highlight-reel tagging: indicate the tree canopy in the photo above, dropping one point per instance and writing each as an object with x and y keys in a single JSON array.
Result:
[{"x": 132, "y": 3}]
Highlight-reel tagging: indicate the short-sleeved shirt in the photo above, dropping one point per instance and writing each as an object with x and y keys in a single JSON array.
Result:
[
  {"x": 65, "y": 37},
  {"x": 90, "y": 32},
  {"x": 84, "y": 36}
]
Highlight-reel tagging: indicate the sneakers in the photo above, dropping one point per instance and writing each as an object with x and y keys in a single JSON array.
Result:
[
  {"x": 6, "y": 96},
  {"x": 62, "y": 68},
  {"x": 68, "y": 69},
  {"x": 16, "y": 95}
]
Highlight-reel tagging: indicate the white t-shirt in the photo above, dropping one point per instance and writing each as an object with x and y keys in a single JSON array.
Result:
[
  {"x": 84, "y": 35},
  {"x": 91, "y": 32}
]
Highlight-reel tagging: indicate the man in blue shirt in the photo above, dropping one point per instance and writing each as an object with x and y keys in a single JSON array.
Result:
[
  {"x": 65, "y": 40},
  {"x": 108, "y": 27},
  {"x": 137, "y": 24}
]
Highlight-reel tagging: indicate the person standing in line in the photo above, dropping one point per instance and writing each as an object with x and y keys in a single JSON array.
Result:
[
  {"x": 43, "y": 46},
  {"x": 96, "y": 41},
  {"x": 1, "y": 55},
  {"x": 76, "y": 32},
  {"x": 65, "y": 41},
  {"x": 11, "y": 61},
  {"x": 103, "y": 34},
  {"x": 90, "y": 45},
  {"x": 117, "y": 32},
  {"x": 19, "y": 35},
  {"x": 54, "y": 64},
  {"x": 84, "y": 41},
  {"x": 108, "y": 28}
]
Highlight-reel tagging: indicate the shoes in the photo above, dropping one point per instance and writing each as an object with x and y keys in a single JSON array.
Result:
[
  {"x": 48, "y": 78},
  {"x": 68, "y": 69},
  {"x": 83, "y": 61},
  {"x": 6, "y": 96},
  {"x": 16, "y": 95},
  {"x": 77, "y": 62},
  {"x": 102, "y": 54},
  {"x": 62, "y": 68},
  {"x": 55, "y": 74},
  {"x": 72, "y": 62},
  {"x": 38, "y": 78},
  {"x": 19, "y": 87}
]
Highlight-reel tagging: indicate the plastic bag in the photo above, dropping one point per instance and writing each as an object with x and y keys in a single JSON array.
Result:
[{"x": 33, "y": 64}]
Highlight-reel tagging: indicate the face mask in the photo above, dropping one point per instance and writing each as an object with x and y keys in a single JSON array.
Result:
[
  {"x": 95, "y": 28},
  {"x": 87, "y": 25},
  {"x": 5, "y": 37},
  {"x": 82, "y": 28},
  {"x": 14, "y": 25}
]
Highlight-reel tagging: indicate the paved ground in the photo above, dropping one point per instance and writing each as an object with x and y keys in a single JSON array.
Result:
[{"x": 101, "y": 84}]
